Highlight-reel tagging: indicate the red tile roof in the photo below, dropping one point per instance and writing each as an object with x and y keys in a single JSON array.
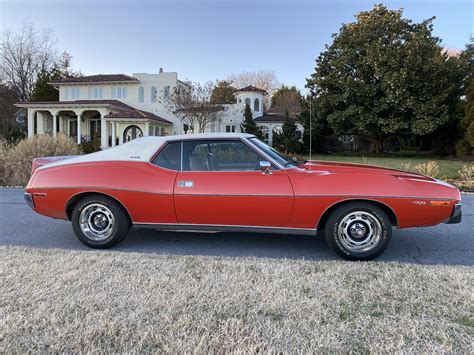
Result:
[
  {"x": 251, "y": 89},
  {"x": 116, "y": 103},
  {"x": 100, "y": 78},
  {"x": 271, "y": 117},
  {"x": 137, "y": 114}
]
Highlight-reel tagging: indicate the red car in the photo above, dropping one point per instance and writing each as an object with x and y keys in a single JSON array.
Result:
[{"x": 234, "y": 182}]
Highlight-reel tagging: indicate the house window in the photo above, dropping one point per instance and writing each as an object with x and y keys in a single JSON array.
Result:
[
  {"x": 153, "y": 94},
  {"x": 95, "y": 93},
  {"x": 247, "y": 101},
  {"x": 256, "y": 105},
  {"x": 166, "y": 92},
  {"x": 119, "y": 92},
  {"x": 141, "y": 94},
  {"x": 230, "y": 129},
  {"x": 157, "y": 131},
  {"x": 72, "y": 93}
]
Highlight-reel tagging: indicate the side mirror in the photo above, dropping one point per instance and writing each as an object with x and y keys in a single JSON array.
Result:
[{"x": 265, "y": 167}]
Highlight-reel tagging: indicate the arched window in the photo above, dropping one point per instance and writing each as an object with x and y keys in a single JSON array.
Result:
[
  {"x": 141, "y": 94},
  {"x": 247, "y": 101},
  {"x": 256, "y": 105},
  {"x": 154, "y": 93},
  {"x": 132, "y": 132}
]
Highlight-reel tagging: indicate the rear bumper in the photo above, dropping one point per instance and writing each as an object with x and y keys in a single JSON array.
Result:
[
  {"x": 456, "y": 215},
  {"x": 29, "y": 200}
]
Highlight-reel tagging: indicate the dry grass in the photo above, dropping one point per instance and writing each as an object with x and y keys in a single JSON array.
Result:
[
  {"x": 56, "y": 300},
  {"x": 16, "y": 159}
]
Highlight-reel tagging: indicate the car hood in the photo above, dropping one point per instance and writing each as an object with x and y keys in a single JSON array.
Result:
[{"x": 333, "y": 166}]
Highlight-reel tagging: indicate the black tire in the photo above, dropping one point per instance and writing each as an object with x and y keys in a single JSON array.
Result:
[
  {"x": 354, "y": 225},
  {"x": 104, "y": 210}
]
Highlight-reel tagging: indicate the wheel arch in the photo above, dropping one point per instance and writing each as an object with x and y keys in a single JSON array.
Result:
[
  {"x": 72, "y": 202},
  {"x": 386, "y": 208}
]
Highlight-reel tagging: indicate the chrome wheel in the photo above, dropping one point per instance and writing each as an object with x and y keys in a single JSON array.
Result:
[
  {"x": 97, "y": 222},
  {"x": 359, "y": 232}
]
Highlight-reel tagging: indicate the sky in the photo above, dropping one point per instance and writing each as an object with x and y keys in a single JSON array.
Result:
[{"x": 212, "y": 39}]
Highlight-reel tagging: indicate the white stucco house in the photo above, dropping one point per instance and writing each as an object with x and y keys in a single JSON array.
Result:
[{"x": 115, "y": 108}]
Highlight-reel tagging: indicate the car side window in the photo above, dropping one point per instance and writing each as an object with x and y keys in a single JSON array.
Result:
[
  {"x": 219, "y": 155},
  {"x": 169, "y": 157}
]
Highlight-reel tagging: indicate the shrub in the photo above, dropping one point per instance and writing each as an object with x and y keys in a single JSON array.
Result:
[
  {"x": 430, "y": 169},
  {"x": 17, "y": 159},
  {"x": 466, "y": 176}
]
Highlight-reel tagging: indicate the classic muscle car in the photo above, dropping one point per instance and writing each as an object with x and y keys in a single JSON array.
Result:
[{"x": 234, "y": 182}]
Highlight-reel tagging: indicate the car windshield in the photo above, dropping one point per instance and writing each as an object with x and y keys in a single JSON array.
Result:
[{"x": 273, "y": 153}]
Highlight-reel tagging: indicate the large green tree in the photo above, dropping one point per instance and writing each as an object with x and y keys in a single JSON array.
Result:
[
  {"x": 386, "y": 75},
  {"x": 249, "y": 125},
  {"x": 223, "y": 93}
]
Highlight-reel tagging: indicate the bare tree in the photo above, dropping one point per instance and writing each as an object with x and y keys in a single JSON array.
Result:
[
  {"x": 23, "y": 55},
  {"x": 192, "y": 103},
  {"x": 262, "y": 79}
]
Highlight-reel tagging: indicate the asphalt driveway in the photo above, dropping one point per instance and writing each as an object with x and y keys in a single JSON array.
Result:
[{"x": 443, "y": 244}]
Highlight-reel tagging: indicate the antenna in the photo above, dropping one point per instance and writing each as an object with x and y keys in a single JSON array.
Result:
[{"x": 310, "y": 129}]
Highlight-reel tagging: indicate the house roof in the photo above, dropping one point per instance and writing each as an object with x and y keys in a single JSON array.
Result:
[
  {"x": 137, "y": 114},
  {"x": 100, "y": 78},
  {"x": 251, "y": 89},
  {"x": 271, "y": 117},
  {"x": 79, "y": 103}
]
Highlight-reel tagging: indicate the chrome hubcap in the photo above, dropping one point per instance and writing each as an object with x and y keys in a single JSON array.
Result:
[
  {"x": 97, "y": 222},
  {"x": 359, "y": 231}
]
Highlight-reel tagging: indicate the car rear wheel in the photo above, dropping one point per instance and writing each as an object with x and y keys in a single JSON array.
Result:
[
  {"x": 358, "y": 231},
  {"x": 99, "y": 222}
]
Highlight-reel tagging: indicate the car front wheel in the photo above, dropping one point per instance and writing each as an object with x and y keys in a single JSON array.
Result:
[
  {"x": 99, "y": 222},
  {"x": 358, "y": 231}
]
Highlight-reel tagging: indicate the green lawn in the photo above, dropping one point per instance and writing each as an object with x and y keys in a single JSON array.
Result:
[{"x": 447, "y": 168}]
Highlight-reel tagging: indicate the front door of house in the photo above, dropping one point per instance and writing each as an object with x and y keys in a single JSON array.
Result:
[{"x": 95, "y": 130}]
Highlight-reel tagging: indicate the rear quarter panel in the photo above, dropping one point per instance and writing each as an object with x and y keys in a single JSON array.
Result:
[{"x": 146, "y": 191}]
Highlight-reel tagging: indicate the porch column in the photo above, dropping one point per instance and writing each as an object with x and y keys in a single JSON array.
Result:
[
  {"x": 31, "y": 123},
  {"x": 147, "y": 129},
  {"x": 61, "y": 124},
  {"x": 55, "y": 125},
  {"x": 39, "y": 123},
  {"x": 79, "y": 135},
  {"x": 120, "y": 138},
  {"x": 114, "y": 134},
  {"x": 270, "y": 136},
  {"x": 104, "y": 136}
]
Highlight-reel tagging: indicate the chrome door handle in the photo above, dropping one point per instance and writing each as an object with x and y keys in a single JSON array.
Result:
[{"x": 185, "y": 183}]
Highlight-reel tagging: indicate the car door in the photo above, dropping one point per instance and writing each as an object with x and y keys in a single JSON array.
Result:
[{"x": 220, "y": 183}]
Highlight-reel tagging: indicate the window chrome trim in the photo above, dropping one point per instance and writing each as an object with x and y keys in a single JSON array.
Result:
[{"x": 244, "y": 140}]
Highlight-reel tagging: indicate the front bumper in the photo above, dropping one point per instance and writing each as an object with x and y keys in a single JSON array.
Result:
[
  {"x": 456, "y": 215},
  {"x": 29, "y": 200}
]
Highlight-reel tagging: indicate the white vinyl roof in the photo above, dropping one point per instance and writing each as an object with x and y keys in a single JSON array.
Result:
[{"x": 140, "y": 149}]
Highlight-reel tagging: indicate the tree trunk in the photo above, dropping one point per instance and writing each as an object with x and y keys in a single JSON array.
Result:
[{"x": 377, "y": 145}]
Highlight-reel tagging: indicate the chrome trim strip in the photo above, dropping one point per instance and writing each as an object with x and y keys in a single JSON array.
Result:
[
  {"x": 225, "y": 228},
  {"x": 89, "y": 188}
]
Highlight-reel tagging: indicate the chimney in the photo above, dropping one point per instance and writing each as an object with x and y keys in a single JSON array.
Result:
[{"x": 161, "y": 70}]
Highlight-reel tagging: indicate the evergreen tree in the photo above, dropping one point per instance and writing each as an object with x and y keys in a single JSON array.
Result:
[
  {"x": 288, "y": 139},
  {"x": 61, "y": 69},
  {"x": 249, "y": 125}
]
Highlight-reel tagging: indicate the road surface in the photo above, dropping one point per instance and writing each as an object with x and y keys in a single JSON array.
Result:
[{"x": 443, "y": 244}]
